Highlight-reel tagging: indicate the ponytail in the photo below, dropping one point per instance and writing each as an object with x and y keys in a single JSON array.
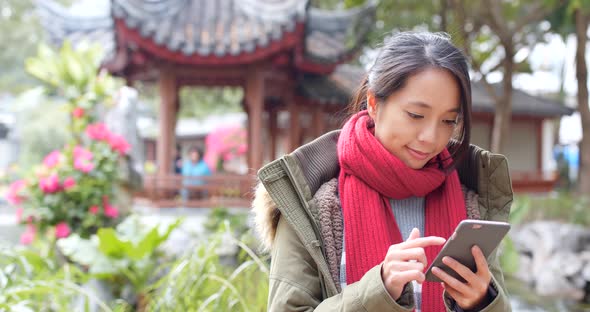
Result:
[{"x": 359, "y": 100}]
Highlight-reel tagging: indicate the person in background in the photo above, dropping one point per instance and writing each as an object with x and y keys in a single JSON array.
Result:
[
  {"x": 178, "y": 160},
  {"x": 193, "y": 167}
]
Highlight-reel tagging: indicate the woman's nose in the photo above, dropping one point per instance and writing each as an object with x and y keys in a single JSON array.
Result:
[{"x": 428, "y": 134}]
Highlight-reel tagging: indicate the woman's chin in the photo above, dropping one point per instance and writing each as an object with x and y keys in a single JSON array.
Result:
[{"x": 414, "y": 164}]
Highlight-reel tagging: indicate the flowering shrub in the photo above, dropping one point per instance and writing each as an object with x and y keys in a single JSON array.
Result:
[
  {"x": 73, "y": 190},
  {"x": 225, "y": 144}
]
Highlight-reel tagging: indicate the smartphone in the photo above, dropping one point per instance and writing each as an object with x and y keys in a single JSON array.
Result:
[{"x": 487, "y": 235}]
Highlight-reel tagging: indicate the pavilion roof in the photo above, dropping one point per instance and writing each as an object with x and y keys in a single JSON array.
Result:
[
  {"x": 61, "y": 24},
  {"x": 220, "y": 28},
  {"x": 204, "y": 27}
]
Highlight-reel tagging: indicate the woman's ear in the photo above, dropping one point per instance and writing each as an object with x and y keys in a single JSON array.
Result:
[{"x": 371, "y": 104}]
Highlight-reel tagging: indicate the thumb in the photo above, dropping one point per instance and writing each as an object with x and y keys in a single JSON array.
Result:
[{"x": 414, "y": 234}]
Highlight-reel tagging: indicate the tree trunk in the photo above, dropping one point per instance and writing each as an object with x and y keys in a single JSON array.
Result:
[
  {"x": 444, "y": 7},
  {"x": 581, "y": 21},
  {"x": 503, "y": 113}
]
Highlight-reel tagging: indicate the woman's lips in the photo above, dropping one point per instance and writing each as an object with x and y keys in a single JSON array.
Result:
[{"x": 417, "y": 154}]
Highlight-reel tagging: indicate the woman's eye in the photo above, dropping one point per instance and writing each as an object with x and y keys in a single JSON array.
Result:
[
  {"x": 415, "y": 116},
  {"x": 451, "y": 122}
]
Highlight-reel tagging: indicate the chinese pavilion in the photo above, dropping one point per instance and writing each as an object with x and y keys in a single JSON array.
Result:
[{"x": 285, "y": 54}]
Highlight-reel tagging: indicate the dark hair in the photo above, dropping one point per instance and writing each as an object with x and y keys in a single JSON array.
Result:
[
  {"x": 408, "y": 53},
  {"x": 197, "y": 149}
]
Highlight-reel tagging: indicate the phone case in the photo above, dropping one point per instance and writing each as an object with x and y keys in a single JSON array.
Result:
[{"x": 485, "y": 234}]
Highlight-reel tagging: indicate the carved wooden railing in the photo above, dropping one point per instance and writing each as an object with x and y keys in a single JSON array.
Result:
[
  {"x": 533, "y": 181},
  {"x": 218, "y": 190}
]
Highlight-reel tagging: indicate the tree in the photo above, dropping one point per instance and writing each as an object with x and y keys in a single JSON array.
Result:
[
  {"x": 582, "y": 20},
  {"x": 574, "y": 19},
  {"x": 19, "y": 33},
  {"x": 492, "y": 33}
]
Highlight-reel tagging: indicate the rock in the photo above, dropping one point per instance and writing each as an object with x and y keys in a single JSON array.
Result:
[
  {"x": 552, "y": 281},
  {"x": 122, "y": 120},
  {"x": 553, "y": 258},
  {"x": 586, "y": 272}
]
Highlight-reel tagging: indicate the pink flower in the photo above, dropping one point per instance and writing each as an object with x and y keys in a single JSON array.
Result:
[
  {"x": 83, "y": 165},
  {"x": 52, "y": 159},
  {"x": 82, "y": 153},
  {"x": 225, "y": 143},
  {"x": 78, "y": 112},
  {"x": 98, "y": 131},
  {"x": 93, "y": 209},
  {"x": 69, "y": 183},
  {"x": 119, "y": 144},
  {"x": 111, "y": 211},
  {"x": 50, "y": 184},
  {"x": 62, "y": 230},
  {"x": 19, "y": 214},
  {"x": 28, "y": 236},
  {"x": 12, "y": 195},
  {"x": 242, "y": 149}
]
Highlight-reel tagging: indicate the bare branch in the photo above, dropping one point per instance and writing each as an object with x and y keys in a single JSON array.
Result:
[
  {"x": 459, "y": 7},
  {"x": 497, "y": 22},
  {"x": 497, "y": 66},
  {"x": 536, "y": 14},
  {"x": 484, "y": 79}
]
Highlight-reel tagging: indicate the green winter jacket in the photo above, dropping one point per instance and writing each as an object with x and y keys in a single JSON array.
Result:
[{"x": 287, "y": 220}]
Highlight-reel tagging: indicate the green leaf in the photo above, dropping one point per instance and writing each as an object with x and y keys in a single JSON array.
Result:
[{"x": 111, "y": 245}]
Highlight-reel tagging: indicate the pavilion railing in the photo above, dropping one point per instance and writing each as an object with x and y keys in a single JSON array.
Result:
[
  {"x": 218, "y": 190},
  {"x": 533, "y": 181}
]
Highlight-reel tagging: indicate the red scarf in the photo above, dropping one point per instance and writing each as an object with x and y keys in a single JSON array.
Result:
[{"x": 369, "y": 177}]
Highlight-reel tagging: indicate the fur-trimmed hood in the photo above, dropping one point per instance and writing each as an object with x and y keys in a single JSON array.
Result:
[{"x": 266, "y": 216}]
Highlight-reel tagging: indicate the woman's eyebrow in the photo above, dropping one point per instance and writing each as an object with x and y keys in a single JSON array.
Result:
[{"x": 427, "y": 106}]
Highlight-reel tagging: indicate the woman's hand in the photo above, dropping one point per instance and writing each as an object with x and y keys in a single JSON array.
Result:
[
  {"x": 473, "y": 291},
  {"x": 406, "y": 261}
]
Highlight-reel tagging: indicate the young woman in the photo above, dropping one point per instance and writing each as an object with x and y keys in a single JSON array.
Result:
[{"x": 354, "y": 218}]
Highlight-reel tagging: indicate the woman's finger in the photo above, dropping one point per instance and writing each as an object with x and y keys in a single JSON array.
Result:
[
  {"x": 403, "y": 277},
  {"x": 462, "y": 270},
  {"x": 416, "y": 254},
  {"x": 414, "y": 234},
  {"x": 451, "y": 281},
  {"x": 407, "y": 266},
  {"x": 481, "y": 263}
]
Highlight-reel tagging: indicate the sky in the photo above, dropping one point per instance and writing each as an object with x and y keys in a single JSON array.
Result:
[{"x": 546, "y": 61}]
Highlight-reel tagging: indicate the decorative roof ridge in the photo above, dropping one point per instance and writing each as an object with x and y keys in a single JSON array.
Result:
[
  {"x": 266, "y": 10},
  {"x": 60, "y": 14},
  {"x": 146, "y": 9},
  {"x": 335, "y": 20},
  {"x": 60, "y": 21},
  {"x": 345, "y": 13}
]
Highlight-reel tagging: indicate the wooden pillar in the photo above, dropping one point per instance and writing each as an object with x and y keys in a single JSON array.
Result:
[
  {"x": 294, "y": 122},
  {"x": 254, "y": 95},
  {"x": 166, "y": 137},
  {"x": 317, "y": 121},
  {"x": 273, "y": 116}
]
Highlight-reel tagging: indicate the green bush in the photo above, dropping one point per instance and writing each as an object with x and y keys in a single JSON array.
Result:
[
  {"x": 563, "y": 206},
  {"x": 199, "y": 282},
  {"x": 31, "y": 280}
]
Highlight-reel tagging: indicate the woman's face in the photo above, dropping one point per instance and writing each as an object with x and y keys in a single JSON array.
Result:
[
  {"x": 416, "y": 122},
  {"x": 195, "y": 156}
]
